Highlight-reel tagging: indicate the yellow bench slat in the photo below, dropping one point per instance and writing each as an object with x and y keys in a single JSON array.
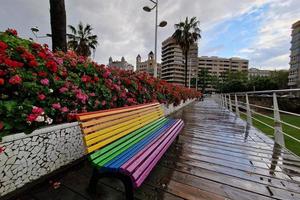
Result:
[
  {"x": 108, "y": 132},
  {"x": 115, "y": 137},
  {"x": 105, "y": 113},
  {"x": 116, "y": 116}
]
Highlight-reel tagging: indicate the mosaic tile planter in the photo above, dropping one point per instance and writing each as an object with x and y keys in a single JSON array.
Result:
[{"x": 28, "y": 157}]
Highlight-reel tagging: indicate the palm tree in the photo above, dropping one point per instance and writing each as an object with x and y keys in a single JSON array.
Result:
[
  {"x": 82, "y": 41},
  {"x": 58, "y": 25},
  {"x": 186, "y": 34}
]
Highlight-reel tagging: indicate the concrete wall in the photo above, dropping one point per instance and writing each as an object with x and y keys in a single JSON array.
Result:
[{"x": 26, "y": 158}]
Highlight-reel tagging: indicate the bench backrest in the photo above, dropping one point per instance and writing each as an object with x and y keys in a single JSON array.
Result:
[{"x": 104, "y": 127}]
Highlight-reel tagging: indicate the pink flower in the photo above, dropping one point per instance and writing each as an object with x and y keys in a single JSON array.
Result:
[
  {"x": 56, "y": 106},
  {"x": 106, "y": 74},
  {"x": 15, "y": 80},
  {"x": 63, "y": 90},
  {"x": 41, "y": 97},
  {"x": 45, "y": 81},
  {"x": 92, "y": 94},
  {"x": 2, "y": 149},
  {"x": 103, "y": 103},
  {"x": 82, "y": 97},
  {"x": 64, "y": 109}
]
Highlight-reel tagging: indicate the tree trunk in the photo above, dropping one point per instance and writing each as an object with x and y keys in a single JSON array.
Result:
[
  {"x": 58, "y": 25},
  {"x": 186, "y": 68}
]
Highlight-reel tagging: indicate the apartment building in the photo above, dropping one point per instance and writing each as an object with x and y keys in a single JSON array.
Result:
[
  {"x": 217, "y": 66},
  {"x": 148, "y": 65},
  {"x": 254, "y": 72},
  {"x": 172, "y": 68},
  {"x": 294, "y": 72}
]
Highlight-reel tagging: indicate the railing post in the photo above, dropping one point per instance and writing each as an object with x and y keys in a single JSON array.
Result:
[
  {"x": 221, "y": 99},
  {"x": 279, "y": 137},
  {"x": 249, "y": 118},
  {"x": 237, "y": 111},
  {"x": 226, "y": 105},
  {"x": 230, "y": 103}
]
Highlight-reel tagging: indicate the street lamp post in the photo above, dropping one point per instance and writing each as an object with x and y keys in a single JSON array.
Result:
[{"x": 161, "y": 24}]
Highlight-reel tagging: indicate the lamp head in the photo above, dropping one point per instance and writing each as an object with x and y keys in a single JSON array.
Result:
[
  {"x": 147, "y": 9},
  {"x": 35, "y": 29},
  {"x": 163, "y": 24}
]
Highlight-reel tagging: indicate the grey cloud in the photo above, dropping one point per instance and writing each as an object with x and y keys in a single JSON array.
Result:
[{"x": 124, "y": 29}]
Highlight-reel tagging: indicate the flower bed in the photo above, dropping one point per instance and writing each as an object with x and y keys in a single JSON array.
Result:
[{"x": 39, "y": 87}]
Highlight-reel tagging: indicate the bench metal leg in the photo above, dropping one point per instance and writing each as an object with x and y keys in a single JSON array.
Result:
[
  {"x": 177, "y": 138},
  {"x": 128, "y": 187},
  {"x": 93, "y": 181},
  {"x": 92, "y": 188}
]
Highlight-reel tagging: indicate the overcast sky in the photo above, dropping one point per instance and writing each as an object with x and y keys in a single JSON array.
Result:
[{"x": 258, "y": 30}]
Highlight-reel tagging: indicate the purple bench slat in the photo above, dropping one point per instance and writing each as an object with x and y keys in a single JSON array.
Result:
[
  {"x": 157, "y": 157},
  {"x": 133, "y": 163},
  {"x": 141, "y": 164}
]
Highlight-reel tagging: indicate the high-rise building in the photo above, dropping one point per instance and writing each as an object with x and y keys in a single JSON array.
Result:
[
  {"x": 294, "y": 72},
  {"x": 123, "y": 64},
  {"x": 173, "y": 68},
  {"x": 148, "y": 65},
  {"x": 217, "y": 66}
]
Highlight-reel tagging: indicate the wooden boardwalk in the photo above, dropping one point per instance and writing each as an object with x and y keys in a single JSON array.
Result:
[{"x": 217, "y": 157}]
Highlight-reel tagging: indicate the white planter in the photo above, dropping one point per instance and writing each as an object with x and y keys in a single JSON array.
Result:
[{"x": 28, "y": 157}]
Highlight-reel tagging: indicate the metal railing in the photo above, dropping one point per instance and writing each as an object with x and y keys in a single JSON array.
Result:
[{"x": 232, "y": 102}]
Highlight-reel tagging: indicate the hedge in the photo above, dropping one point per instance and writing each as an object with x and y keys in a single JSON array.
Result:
[{"x": 39, "y": 87}]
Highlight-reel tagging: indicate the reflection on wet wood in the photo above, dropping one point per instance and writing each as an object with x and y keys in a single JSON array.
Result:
[{"x": 218, "y": 156}]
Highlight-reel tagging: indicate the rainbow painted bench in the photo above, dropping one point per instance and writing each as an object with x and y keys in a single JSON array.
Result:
[{"x": 127, "y": 143}]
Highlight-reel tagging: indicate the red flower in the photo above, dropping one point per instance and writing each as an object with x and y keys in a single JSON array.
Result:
[
  {"x": 85, "y": 79},
  {"x": 3, "y": 45},
  {"x": 52, "y": 66},
  {"x": 12, "y": 63},
  {"x": 2, "y": 73},
  {"x": 2, "y": 81},
  {"x": 42, "y": 55},
  {"x": 41, "y": 97},
  {"x": 96, "y": 78},
  {"x": 42, "y": 74},
  {"x": 31, "y": 117},
  {"x": 36, "y": 46},
  {"x": 1, "y": 125},
  {"x": 37, "y": 110},
  {"x": 11, "y": 32},
  {"x": 14, "y": 80},
  {"x": 33, "y": 63}
]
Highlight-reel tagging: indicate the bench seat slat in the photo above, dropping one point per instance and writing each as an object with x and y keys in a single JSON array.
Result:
[
  {"x": 124, "y": 156},
  {"x": 122, "y": 140},
  {"x": 121, "y": 134},
  {"x": 109, "y": 155},
  {"x": 107, "y": 132},
  {"x": 92, "y": 124},
  {"x": 110, "y": 112},
  {"x": 151, "y": 161},
  {"x": 133, "y": 163}
]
